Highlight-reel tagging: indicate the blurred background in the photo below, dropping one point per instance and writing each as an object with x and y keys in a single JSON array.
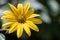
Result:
[{"x": 49, "y": 11}]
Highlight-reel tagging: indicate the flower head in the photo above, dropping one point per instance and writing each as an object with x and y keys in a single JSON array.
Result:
[{"x": 21, "y": 18}]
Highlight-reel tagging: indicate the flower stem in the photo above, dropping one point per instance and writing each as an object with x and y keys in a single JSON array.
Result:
[{"x": 3, "y": 29}]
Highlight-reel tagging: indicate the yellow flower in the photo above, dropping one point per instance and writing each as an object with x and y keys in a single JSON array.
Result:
[{"x": 21, "y": 18}]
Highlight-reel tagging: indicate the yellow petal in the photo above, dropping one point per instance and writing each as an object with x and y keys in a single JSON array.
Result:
[
  {"x": 32, "y": 26},
  {"x": 27, "y": 30},
  {"x": 30, "y": 12},
  {"x": 8, "y": 18},
  {"x": 19, "y": 30},
  {"x": 13, "y": 28},
  {"x": 7, "y": 24},
  {"x": 26, "y": 7},
  {"x": 36, "y": 20},
  {"x": 14, "y": 9},
  {"x": 33, "y": 15},
  {"x": 7, "y": 12},
  {"x": 12, "y": 20},
  {"x": 20, "y": 8}
]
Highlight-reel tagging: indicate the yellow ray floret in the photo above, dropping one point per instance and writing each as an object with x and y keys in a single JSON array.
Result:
[
  {"x": 21, "y": 18},
  {"x": 19, "y": 30}
]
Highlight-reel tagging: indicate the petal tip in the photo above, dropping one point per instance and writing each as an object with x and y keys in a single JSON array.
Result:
[
  {"x": 38, "y": 30},
  {"x": 28, "y": 3},
  {"x": 9, "y": 4},
  {"x": 18, "y": 37},
  {"x": 29, "y": 35},
  {"x": 2, "y": 17}
]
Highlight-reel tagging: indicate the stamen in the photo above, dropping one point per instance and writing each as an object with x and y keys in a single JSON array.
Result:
[{"x": 21, "y": 20}]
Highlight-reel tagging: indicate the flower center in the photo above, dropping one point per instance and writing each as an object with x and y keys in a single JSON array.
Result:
[{"x": 21, "y": 20}]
